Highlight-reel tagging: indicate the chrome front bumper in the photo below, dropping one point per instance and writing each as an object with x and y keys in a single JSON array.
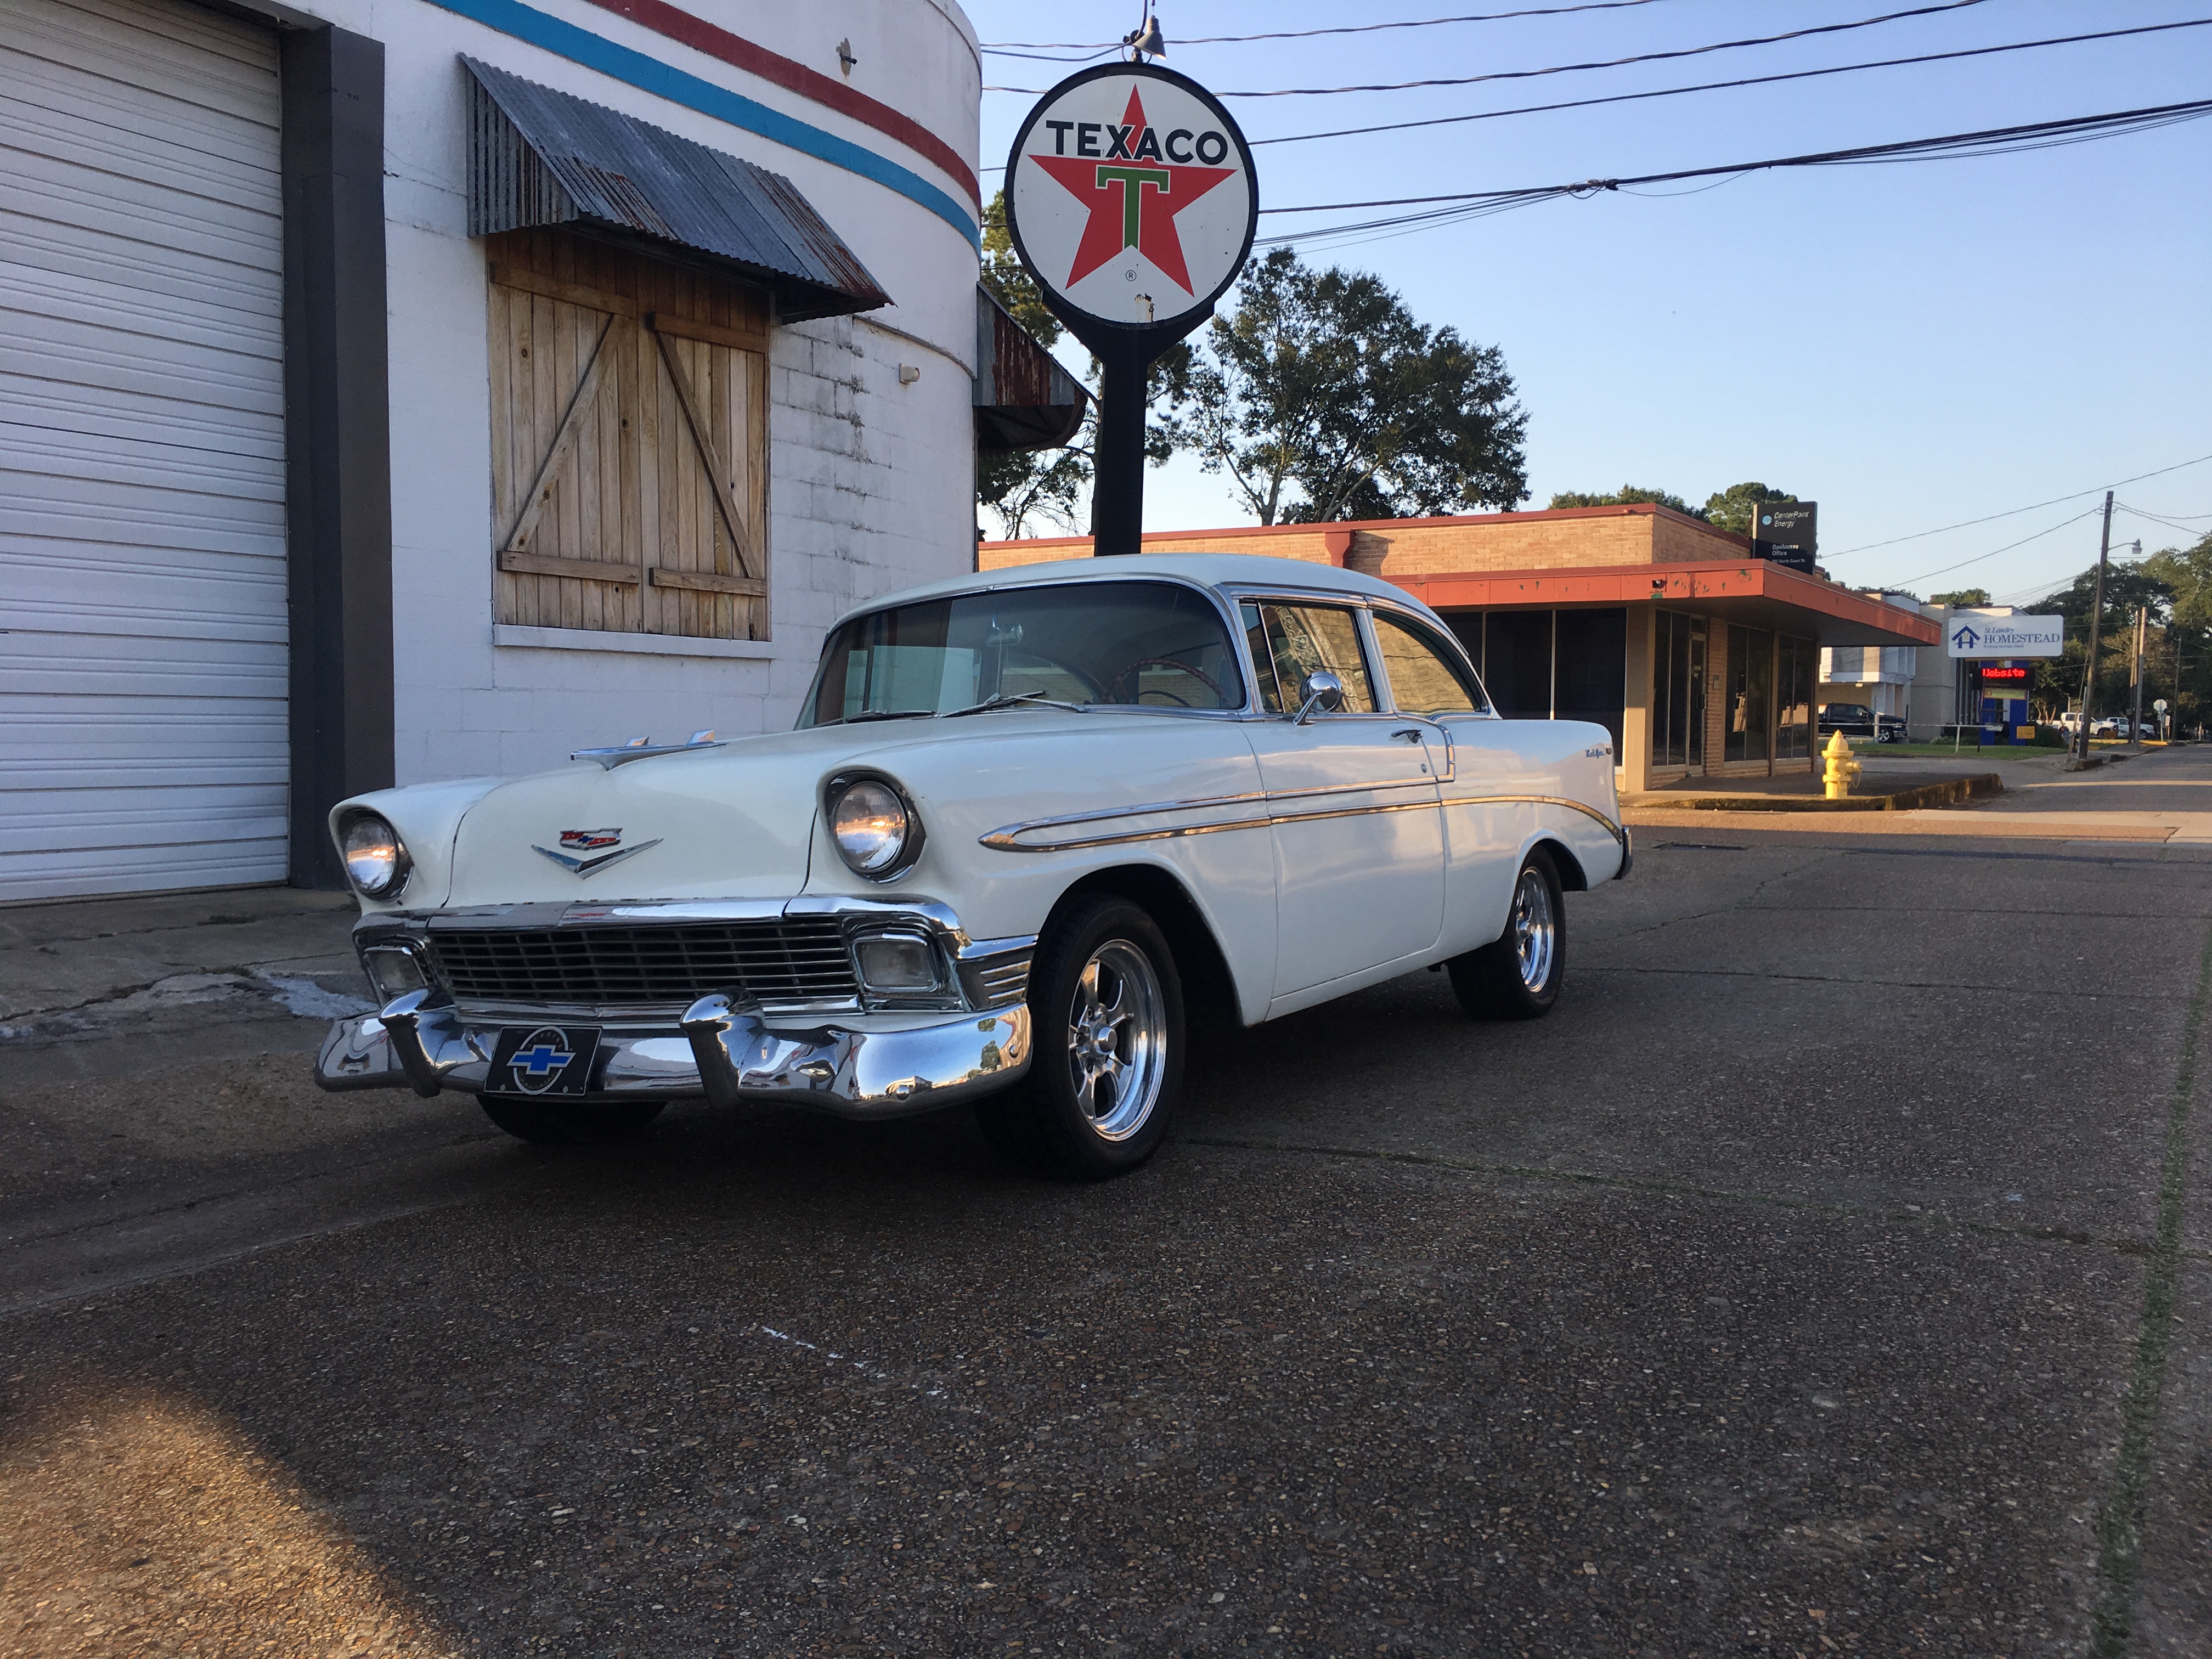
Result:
[{"x": 874, "y": 1065}]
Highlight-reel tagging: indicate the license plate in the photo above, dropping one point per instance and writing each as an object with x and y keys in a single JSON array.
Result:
[{"x": 543, "y": 1059}]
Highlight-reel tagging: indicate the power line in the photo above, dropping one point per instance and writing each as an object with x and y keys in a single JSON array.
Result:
[
  {"x": 1572, "y": 69},
  {"x": 1720, "y": 86},
  {"x": 2035, "y": 135},
  {"x": 2089, "y": 513},
  {"x": 2014, "y": 512},
  {"x": 1013, "y": 48},
  {"x": 2156, "y": 517}
]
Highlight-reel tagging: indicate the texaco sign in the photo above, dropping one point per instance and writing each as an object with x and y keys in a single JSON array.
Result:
[{"x": 1132, "y": 198}]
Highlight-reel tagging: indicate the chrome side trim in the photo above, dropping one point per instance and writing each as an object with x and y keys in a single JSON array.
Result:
[
  {"x": 1618, "y": 832},
  {"x": 1003, "y": 840}
]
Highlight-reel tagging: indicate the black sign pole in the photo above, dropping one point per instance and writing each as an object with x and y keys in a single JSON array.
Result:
[
  {"x": 1125, "y": 351},
  {"x": 1117, "y": 460}
]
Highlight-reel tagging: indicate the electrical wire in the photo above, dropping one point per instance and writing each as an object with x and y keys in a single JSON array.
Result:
[
  {"x": 2014, "y": 512},
  {"x": 1573, "y": 69},
  {"x": 1720, "y": 86},
  {"x": 1924, "y": 576},
  {"x": 1994, "y": 141},
  {"x": 2159, "y": 518},
  {"x": 1009, "y": 48}
]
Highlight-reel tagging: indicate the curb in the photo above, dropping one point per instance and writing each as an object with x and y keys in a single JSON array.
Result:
[{"x": 1950, "y": 792}]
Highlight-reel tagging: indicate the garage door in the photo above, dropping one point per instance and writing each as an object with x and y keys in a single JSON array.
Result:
[{"x": 143, "y": 739}]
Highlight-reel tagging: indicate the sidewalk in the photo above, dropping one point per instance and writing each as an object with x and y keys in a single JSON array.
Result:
[{"x": 85, "y": 982}]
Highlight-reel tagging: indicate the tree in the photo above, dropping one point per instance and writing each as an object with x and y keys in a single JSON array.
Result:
[
  {"x": 2059, "y": 679},
  {"x": 1733, "y": 508},
  {"x": 1323, "y": 399},
  {"x": 1628, "y": 495},
  {"x": 1962, "y": 596},
  {"x": 1054, "y": 484}
]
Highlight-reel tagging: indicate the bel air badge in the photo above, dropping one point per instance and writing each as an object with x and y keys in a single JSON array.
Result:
[{"x": 590, "y": 840}]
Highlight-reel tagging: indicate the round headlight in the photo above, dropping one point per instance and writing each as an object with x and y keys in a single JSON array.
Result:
[
  {"x": 874, "y": 831},
  {"x": 375, "y": 860}
]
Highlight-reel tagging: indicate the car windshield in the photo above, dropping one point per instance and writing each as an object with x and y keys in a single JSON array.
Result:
[{"x": 1122, "y": 644}]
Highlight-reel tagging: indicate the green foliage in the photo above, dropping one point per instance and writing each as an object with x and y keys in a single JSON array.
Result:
[
  {"x": 1628, "y": 495},
  {"x": 1322, "y": 397},
  {"x": 1732, "y": 508},
  {"x": 1961, "y": 596},
  {"x": 2155, "y": 583}
]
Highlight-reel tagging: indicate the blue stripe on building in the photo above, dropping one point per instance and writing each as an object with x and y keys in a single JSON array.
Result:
[{"x": 634, "y": 68}]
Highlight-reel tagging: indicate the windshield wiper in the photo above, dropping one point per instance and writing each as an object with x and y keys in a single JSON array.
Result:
[
  {"x": 1013, "y": 699},
  {"x": 884, "y": 714}
]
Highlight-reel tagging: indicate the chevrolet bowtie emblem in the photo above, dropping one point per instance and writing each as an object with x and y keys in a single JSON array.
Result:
[{"x": 588, "y": 842}]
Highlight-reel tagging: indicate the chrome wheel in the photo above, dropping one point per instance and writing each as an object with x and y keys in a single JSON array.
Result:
[
  {"x": 1533, "y": 929},
  {"x": 1117, "y": 1030}
]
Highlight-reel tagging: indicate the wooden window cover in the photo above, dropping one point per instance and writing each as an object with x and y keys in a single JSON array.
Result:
[{"x": 629, "y": 441}]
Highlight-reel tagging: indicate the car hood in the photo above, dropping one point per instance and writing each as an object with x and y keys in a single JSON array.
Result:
[{"x": 732, "y": 821}]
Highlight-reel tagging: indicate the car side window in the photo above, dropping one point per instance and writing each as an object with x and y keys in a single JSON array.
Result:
[
  {"x": 1424, "y": 677},
  {"x": 1289, "y": 642}
]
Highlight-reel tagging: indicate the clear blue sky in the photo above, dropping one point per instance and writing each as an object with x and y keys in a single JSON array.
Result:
[{"x": 1910, "y": 345}]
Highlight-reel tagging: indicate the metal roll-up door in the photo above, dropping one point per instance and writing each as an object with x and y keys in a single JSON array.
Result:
[{"x": 142, "y": 667}]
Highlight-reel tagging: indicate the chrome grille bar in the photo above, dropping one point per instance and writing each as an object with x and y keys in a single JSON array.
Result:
[{"x": 799, "y": 960}]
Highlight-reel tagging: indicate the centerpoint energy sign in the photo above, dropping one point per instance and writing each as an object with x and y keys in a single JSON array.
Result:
[
  {"x": 1131, "y": 199},
  {"x": 1970, "y": 635}
]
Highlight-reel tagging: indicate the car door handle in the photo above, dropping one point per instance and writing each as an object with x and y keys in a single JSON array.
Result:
[{"x": 1411, "y": 733}]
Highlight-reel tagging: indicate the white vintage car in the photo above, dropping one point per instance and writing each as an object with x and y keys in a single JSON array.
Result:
[{"x": 1032, "y": 824}]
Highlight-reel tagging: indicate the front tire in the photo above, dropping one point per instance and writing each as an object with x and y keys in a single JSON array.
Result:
[
  {"x": 1106, "y": 1009},
  {"x": 1518, "y": 975},
  {"x": 561, "y": 1123}
]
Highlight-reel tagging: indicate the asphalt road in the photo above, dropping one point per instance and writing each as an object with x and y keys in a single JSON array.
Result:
[{"x": 1832, "y": 1273}]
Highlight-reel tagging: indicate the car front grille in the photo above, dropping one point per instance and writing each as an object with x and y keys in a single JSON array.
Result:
[{"x": 788, "y": 962}]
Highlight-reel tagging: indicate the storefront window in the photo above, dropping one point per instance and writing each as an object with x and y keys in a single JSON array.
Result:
[
  {"x": 1678, "y": 712},
  {"x": 1516, "y": 663},
  {"x": 1751, "y": 694},
  {"x": 1591, "y": 680},
  {"x": 1794, "y": 669}
]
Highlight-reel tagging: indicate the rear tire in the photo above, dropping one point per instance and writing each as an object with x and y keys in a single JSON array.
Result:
[
  {"x": 1107, "y": 1016},
  {"x": 562, "y": 1123},
  {"x": 1518, "y": 975}
]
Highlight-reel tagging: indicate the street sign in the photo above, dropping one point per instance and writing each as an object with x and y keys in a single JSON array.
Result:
[
  {"x": 1786, "y": 532},
  {"x": 1971, "y": 634},
  {"x": 2159, "y": 703},
  {"x": 1131, "y": 199}
]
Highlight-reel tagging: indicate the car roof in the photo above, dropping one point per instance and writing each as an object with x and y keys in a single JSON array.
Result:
[{"x": 1209, "y": 569}]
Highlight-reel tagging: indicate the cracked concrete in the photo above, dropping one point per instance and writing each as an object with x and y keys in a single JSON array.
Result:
[{"x": 101, "y": 986}]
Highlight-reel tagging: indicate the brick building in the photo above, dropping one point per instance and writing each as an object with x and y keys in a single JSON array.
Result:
[{"x": 1700, "y": 659}]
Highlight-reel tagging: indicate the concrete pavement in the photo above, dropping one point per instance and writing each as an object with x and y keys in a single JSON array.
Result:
[{"x": 1829, "y": 1274}]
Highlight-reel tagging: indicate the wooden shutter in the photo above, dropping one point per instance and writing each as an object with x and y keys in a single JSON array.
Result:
[{"x": 629, "y": 442}]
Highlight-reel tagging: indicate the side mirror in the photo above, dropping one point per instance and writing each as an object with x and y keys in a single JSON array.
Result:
[{"x": 1319, "y": 690}]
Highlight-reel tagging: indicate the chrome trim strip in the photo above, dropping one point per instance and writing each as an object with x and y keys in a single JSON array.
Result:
[
  {"x": 1617, "y": 831},
  {"x": 1002, "y": 841}
]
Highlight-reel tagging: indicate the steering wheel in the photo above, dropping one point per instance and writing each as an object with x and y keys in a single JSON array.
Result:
[{"x": 1130, "y": 671}]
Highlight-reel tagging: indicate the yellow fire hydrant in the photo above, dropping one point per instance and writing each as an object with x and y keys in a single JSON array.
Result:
[{"x": 1841, "y": 768}]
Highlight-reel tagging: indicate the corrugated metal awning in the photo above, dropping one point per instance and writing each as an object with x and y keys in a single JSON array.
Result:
[
  {"x": 542, "y": 157},
  {"x": 1024, "y": 398}
]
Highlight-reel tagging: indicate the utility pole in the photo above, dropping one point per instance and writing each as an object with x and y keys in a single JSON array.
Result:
[
  {"x": 2096, "y": 619},
  {"x": 2136, "y": 678}
]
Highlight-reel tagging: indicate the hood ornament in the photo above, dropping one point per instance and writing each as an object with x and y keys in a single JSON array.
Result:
[
  {"x": 585, "y": 856},
  {"x": 637, "y": 749}
]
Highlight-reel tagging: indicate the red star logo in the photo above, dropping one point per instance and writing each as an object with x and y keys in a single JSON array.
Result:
[{"x": 1134, "y": 195}]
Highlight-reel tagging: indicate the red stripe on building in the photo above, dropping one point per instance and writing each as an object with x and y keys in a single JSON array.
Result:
[{"x": 794, "y": 76}]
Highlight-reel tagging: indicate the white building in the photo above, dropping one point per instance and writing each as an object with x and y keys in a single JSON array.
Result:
[
  {"x": 1922, "y": 686},
  {"x": 413, "y": 389}
]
